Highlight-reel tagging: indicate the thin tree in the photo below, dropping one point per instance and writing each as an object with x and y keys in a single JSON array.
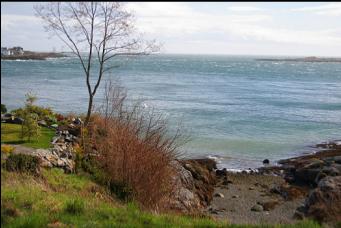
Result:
[{"x": 95, "y": 32}]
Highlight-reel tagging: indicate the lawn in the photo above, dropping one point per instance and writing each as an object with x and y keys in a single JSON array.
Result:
[
  {"x": 10, "y": 134},
  {"x": 69, "y": 200}
]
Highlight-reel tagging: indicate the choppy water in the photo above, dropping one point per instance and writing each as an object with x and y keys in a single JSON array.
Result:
[{"x": 236, "y": 108}]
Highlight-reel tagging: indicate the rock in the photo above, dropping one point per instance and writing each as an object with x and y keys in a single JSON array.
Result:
[
  {"x": 269, "y": 205},
  {"x": 319, "y": 177},
  {"x": 257, "y": 208},
  {"x": 251, "y": 188},
  {"x": 221, "y": 172},
  {"x": 235, "y": 196},
  {"x": 42, "y": 123},
  {"x": 299, "y": 214},
  {"x": 324, "y": 203},
  {"x": 266, "y": 161},
  {"x": 219, "y": 195},
  {"x": 337, "y": 159},
  {"x": 183, "y": 198},
  {"x": 307, "y": 175},
  {"x": 331, "y": 171},
  {"x": 289, "y": 192},
  {"x": 55, "y": 126}
]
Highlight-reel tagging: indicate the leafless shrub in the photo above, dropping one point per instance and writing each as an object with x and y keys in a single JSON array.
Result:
[{"x": 135, "y": 147}]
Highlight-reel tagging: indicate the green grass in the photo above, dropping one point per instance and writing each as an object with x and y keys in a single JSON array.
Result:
[
  {"x": 76, "y": 201},
  {"x": 10, "y": 134}
]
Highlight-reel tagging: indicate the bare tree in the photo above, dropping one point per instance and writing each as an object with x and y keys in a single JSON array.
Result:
[{"x": 95, "y": 32}]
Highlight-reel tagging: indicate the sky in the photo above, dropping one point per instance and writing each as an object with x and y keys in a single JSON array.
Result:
[{"x": 231, "y": 28}]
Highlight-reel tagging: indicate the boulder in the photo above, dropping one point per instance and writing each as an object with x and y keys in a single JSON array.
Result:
[
  {"x": 269, "y": 205},
  {"x": 257, "y": 208},
  {"x": 183, "y": 198},
  {"x": 219, "y": 195},
  {"x": 266, "y": 161},
  {"x": 324, "y": 203}
]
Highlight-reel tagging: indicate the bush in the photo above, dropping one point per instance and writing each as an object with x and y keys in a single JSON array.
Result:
[
  {"x": 74, "y": 207},
  {"x": 3, "y": 108},
  {"x": 134, "y": 149},
  {"x": 7, "y": 149},
  {"x": 22, "y": 163}
]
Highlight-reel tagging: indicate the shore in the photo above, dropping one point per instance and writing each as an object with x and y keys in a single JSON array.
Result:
[
  {"x": 28, "y": 55},
  {"x": 293, "y": 190}
]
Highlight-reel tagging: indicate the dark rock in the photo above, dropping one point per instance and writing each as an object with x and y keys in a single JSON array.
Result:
[
  {"x": 221, "y": 172},
  {"x": 320, "y": 176},
  {"x": 324, "y": 203},
  {"x": 266, "y": 161},
  {"x": 337, "y": 159},
  {"x": 306, "y": 175}
]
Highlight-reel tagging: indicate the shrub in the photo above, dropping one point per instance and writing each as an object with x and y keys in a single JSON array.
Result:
[
  {"x": 74, "y": 207},
  {"x": 134, "y": 149},
  {"x": 7, "y": 149},
  {"x": 3, "y": 108},
  {"x": 22, "y": 163}
]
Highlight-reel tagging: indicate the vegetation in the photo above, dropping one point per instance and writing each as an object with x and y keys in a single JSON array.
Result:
[
  {"x": 7, "y": 149},
  {"x": 3, "y": 108},
  {"x": 28, "y": 201},
  {"x": 134, "y": 149},
  {"x": 11, "y": 134},
  {"x": 22, "y": 163}
]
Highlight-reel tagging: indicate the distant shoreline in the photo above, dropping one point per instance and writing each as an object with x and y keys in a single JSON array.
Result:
[
  {"x": 305, "y": 59},
  {"x": 28, "y": 55}
]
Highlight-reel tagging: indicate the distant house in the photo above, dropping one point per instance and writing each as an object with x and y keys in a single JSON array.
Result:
[
  {"x": 6, "y": 51},
  {"x": 17, "y": 50}
]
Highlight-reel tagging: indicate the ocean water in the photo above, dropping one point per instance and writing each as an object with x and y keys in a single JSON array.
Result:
[{"x": 234, "y": 108}]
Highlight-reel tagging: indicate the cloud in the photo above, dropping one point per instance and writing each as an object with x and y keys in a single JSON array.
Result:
[
  {"x": 244, "y": 8},
  {"x": 331, "y": 9},
  {"x": 9, "y": 20},
  {"x": 179, "y": 20}
]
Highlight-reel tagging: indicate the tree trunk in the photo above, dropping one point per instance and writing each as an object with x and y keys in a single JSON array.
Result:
[{"x": 87, "y": 119}]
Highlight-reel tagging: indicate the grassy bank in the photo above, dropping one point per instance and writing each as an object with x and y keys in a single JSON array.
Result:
[
  {"x": 10, "y": 134},
  {"x": 56, "y": 197},
  {"x": 74, "y": 200}
]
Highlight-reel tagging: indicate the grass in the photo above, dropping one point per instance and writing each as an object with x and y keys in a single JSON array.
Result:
[
  {"x": 10, "y": 134},
  {"x": 75, "y": 201}
]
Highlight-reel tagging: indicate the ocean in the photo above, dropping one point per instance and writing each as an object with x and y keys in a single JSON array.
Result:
[{"x": 234, "y": 108}]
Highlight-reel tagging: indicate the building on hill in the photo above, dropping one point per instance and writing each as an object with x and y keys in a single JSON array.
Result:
[
  {"x": 6, "y": 51},
  {"x": 12, "y": 51},
  {"x": 17, "y": 50}
]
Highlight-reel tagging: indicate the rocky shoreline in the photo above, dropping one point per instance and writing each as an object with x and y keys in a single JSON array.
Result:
[{"x": 33, "y": 56}]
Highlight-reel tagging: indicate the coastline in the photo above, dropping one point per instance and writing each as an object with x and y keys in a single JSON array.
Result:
[
  {"x": 285, "y": 193},
  {"x": 34, "y": 56}
]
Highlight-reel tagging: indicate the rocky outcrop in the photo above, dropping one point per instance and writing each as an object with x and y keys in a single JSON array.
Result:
[
  {"x": 193, "y": 185},
  {"x": 310, "y": 169},
  {"x": 324, "y": 203}
]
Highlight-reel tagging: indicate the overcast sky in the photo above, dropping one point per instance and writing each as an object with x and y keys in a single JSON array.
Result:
[{"x": 252, "y": 28}]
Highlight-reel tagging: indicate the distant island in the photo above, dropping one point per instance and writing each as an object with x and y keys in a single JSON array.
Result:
[
  {"x": 304, "y": 59},
  {"x": 18, "y": 53}
]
